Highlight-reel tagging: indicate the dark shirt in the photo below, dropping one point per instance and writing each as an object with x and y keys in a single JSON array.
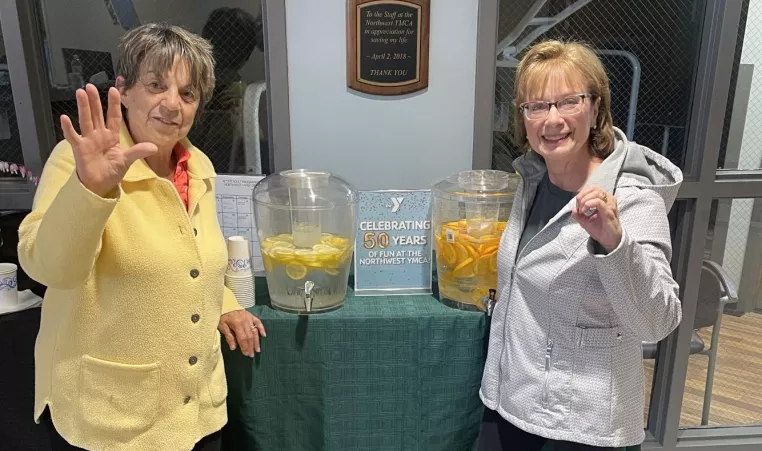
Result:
[{"x": 548, "y": 201}]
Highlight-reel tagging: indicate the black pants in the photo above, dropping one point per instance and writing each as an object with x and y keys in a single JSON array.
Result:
[
  {"x": 497, "y": 434},
  {"x": 211, "y": 442}
]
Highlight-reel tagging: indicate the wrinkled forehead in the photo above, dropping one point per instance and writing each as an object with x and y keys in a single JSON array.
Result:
[
  {"x": 551, "y": 80},
  {"x": 167, "y": 68}
]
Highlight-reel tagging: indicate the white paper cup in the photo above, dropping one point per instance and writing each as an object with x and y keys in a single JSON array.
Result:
[
  {"x": 239, "y": 257},
  {"x": 245, "y": 300},
  {"x": 240, "y": 273},
  {"x": 9, "y": 293},
  {"x": 239, "y": 280},
  {"x": 242, "y": 287}
]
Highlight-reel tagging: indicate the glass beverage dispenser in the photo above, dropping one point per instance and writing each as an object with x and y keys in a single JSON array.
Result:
[
  {"x": 306, "y": 226},
  {"x": 470, "y": 212}
]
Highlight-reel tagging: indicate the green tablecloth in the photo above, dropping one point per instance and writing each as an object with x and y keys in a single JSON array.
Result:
[{"x": 382, "y": 373}]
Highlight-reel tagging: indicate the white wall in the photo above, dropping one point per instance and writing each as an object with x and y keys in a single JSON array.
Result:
[
  {"x": 380, "y": 143},
  {"x": 751, "y": 145},
  {"x": 86, "y": 24}
]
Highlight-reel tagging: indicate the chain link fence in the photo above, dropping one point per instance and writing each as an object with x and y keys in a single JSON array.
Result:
[
  {"x": 649, "y": 48},
  {"x": 727, "y": 161},
  {"x": 733, "y": 238},
  {"x": 81, "y": 67},
  {"x": 235, "y": 34},
  {"x": 735, "y": 230},
  {"x": 744, "y": 152},
  {"x": 10, "y": 141},
  {"x": 223, "y": 129}
]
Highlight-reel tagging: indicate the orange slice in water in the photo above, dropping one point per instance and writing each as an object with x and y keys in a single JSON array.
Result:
[
  {"x": 465, "y": 269},
  {"x": 446, "y": 252},
  {"x": 482, "y": 265},
  {"x": 472, "y": 252},
  {"x": 486, "y": 249},
  {"x": 461, "y": 253},
  {"x": 493, "y": 262}
]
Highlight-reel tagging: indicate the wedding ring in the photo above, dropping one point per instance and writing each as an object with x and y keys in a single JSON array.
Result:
[{"x": 605, "y": 196}]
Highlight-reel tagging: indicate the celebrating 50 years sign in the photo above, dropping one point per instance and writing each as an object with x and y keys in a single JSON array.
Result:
[{"x": 393, "y": 247}]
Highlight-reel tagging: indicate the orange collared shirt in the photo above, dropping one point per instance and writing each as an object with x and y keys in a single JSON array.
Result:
[{"x": 180, "y": 179}]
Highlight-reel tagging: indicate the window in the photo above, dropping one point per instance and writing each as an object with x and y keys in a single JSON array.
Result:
[
  {"x": 742, "y": 136},
  {"x": 232, "y": 130},
  {"x": 10, "y": 140},
  {"x": 649, "y": 48},
  {"x": 723, "y": 387},
  {"x": 19, "y": 143},
  {"x": 697, "y": 61}
]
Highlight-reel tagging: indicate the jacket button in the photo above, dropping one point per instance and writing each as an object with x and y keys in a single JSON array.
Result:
[
  {"x": 195, "y": 231},
  {"x": 186, "y": 400},
  {"x": 193, "y": 360},
  {"x": 194, "y": 273},
  {"x": 195, "y": 317}
]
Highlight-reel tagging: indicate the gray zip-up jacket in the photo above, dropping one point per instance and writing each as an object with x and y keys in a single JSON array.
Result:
[{"x": 565, "y": 358}]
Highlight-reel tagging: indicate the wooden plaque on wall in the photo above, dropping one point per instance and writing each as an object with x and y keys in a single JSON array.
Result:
[{"x": 388, "y": 46}]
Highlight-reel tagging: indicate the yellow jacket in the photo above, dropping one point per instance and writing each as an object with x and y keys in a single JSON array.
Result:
[{"x": 128, "y": 353}]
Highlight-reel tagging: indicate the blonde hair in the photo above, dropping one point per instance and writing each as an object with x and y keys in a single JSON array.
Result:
[
  {"x": 545, "y": 59},
  {"x": 157, "y": 47}
]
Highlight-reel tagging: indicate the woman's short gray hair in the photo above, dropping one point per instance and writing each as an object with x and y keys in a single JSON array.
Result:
[{"x": 157, "y": 47}]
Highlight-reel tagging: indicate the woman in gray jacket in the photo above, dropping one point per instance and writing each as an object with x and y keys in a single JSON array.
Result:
[{"x": 583, "y": 267}]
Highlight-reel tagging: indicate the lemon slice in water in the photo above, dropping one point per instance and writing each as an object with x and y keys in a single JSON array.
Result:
[
  {"x": 296, "y": 271},
  {"x": 282, "y": 254},
  {"x": 307, "y": 255}
]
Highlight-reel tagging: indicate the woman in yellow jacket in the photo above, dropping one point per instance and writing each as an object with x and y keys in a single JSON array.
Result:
[{"x": 124, "y": 234}]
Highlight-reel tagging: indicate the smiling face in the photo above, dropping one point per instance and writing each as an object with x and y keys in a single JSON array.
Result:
[
  {"x": 161, "y": 107},
  {"x": 561, "y": 136}
]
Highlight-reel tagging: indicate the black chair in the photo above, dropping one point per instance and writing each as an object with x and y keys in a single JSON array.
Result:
[{"x": 716, "y": 290}]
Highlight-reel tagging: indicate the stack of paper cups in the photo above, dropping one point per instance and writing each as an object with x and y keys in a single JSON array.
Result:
[
  {"x": 9, "y": 294},
  {"x": 239, "y": 276}
]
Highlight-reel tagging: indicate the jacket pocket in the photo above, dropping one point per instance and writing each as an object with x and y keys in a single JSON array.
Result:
[
  {"x": 116, "y": 399},
  {"x": 557, "y": 393},
  {"x": 218, "y": 385},
  {"x": 597, "y": 337},
  {"x": 592, "y": 378}
]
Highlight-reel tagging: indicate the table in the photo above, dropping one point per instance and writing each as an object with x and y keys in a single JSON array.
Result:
[
  {"x": 381, "y": 373},
  {"x": 18, "y": 333},
  {"x": 18, "y": 430}
]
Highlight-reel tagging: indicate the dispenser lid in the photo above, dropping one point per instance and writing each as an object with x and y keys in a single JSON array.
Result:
[
  {"x": 477, "y": 185},
  {"x": 304, "y": 189}
]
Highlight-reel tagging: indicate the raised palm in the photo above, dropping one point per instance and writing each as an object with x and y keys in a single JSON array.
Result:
[{"x": 101, "y": 162}]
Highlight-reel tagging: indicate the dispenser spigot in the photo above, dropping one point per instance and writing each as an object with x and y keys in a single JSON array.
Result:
[{"x": 308, "y": 286}]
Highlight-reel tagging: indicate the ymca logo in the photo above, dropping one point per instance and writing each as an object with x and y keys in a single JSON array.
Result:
[{"x": 396, "y": 203}]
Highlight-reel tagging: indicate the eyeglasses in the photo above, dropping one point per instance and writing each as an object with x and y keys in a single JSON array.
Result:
[{"x": 566, "y": 106}]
